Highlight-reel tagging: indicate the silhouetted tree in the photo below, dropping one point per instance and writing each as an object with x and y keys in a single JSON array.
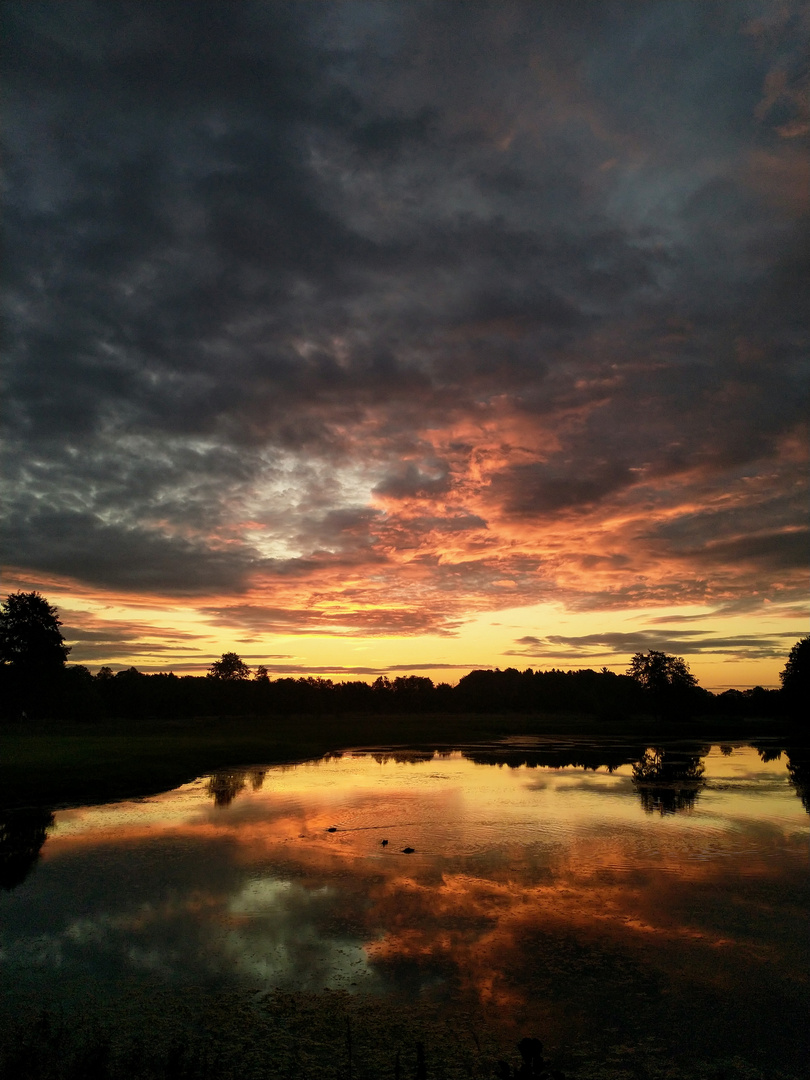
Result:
[
  {"x": 667, "y": 680},
  {"x": 79, "y": 698},
  {"x": 229, "y": 666},
  {"x": 412, "y": 693},
  {"x": 32, "y": 652},
  {"x": 657, "y": 671},
  {"x": 795, "y": 677},
  {"x": 595, "y": 693},
  {"x": 30, "y": 638}
]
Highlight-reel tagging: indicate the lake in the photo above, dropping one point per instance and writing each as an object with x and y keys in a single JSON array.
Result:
[{"x": 642, "y": 911}]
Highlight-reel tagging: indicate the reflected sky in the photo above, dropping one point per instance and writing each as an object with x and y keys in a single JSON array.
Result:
[{"x": 552, "y": 897}]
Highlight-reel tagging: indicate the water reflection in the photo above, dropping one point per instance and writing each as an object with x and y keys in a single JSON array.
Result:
[
  {"x": 669, "y": 781},
  {"x": 561, "y": 756},
  {"x": 798, "y": 767},
  {"x": 557, "y": 886},
  {"x": 226, "y": 784},
  {"x": 797, "y": 760},
  {"x": 22, "y": 834}
]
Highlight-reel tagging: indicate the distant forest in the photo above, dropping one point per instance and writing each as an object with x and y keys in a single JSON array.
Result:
[
  {"x": 36, "y": 681},
  {"x": 603, "y": 694}
]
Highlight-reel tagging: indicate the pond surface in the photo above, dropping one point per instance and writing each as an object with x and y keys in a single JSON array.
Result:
[{"x": 596, "y": 896}]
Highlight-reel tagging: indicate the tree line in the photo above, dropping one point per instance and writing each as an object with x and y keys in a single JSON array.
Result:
[{"x": 36, "y": 681}]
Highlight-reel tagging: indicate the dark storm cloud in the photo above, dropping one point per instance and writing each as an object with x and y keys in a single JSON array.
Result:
[
  {"x": 455, "y": 523},
  {"x": 80, "y": 545},
  {"x": 411, "y": 482},
  {"x": 774, "y": 551},
  {"x": 341, "y": 529},
  {"x": 103, "y": 640},
  {"x": 103, "y": 653},
  {"x": 534, "y": 489},
  {"x": 251, "y": 245}
]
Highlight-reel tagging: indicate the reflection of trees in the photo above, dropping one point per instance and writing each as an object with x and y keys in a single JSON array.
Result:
[
  {"x": 404, "y": 757},
  {"x": 22, "y": 834},
  {"x": 559, "y": 756},
  {"x": 768, "y": 753},
  {"x": 257, "y": 778},
  {"x": 668, "y": 781},
  {"x": 798, "y": 767},
  {"x": 226, "y": 784}
]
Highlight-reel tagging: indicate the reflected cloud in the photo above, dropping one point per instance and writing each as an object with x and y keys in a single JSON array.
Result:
[{"x": 528, "y": 891}]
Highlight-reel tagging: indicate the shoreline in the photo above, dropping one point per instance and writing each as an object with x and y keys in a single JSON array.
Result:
[{"x": 55, "y": 765}]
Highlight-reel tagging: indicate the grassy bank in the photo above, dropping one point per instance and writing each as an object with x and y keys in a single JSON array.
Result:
[{"x": 59, "y": 764}]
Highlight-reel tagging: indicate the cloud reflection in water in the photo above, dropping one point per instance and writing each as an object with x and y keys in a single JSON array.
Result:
[{"x": 544, "y": 894}]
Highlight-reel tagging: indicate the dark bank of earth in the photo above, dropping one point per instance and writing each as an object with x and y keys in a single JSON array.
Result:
[{"x": 57, "y": 763}]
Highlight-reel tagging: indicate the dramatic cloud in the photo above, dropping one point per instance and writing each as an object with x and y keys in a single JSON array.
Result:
[{"x": 374, "y": 318}]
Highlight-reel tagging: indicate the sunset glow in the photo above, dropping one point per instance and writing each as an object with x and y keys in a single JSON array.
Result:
[{"x": 409, "y": 338}]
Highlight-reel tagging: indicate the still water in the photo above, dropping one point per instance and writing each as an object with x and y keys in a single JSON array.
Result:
[{"x": 591, "y": 895}]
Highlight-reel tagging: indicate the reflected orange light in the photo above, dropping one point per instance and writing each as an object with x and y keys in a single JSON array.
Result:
[{"x": 571, "y": 860}]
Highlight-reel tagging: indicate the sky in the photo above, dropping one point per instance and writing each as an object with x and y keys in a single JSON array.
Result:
[{"x": 408, "y": 338}]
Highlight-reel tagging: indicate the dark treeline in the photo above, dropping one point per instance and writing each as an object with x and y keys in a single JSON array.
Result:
[
  {"x": 36, "y": 681},
  {"x": 74, "y": 693}
]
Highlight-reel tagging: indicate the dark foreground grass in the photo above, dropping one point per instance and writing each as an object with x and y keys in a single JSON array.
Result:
[
  {"x": 56, "y": 764},
  {"x": 53, "y": 764},
  {"x": 326, "y": 1036}
]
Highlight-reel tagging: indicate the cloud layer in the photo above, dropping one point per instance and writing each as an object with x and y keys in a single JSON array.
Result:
[{"x": 361, "y": 319}]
